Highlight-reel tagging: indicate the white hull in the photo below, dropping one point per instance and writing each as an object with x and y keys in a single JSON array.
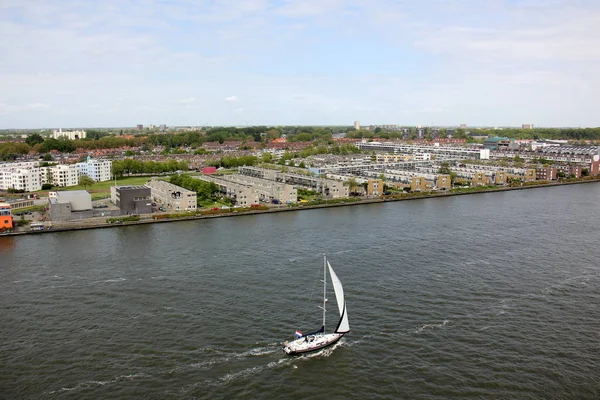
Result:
[{"x": 310, "y": 343}]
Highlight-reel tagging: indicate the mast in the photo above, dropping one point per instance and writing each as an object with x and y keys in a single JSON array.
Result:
[{"x": 324, "y": 286}]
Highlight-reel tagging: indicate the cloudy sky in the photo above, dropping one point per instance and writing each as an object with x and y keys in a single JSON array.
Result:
[{"x": 86, "y": 63}]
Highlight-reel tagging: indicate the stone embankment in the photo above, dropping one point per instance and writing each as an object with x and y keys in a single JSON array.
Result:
[{"x": 100, "y": 222}]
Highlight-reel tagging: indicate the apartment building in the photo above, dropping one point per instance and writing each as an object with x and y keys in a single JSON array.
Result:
[
  {"x": 328, "y": 187},
  {"x": 375, "y": 187},
  {"x": 71, "y": 135},
  {"x": 479, "y": 179},
  {"x": 97, "y": 169},
  {"x": 28, "y": 180},
  {"x": 173, "y": 197},
  {"x": 64, "y": 175},
  {"x": 243, "y": 195},
  {"x": 444, "y": 182},
  {"x": 267, "y": 190}
]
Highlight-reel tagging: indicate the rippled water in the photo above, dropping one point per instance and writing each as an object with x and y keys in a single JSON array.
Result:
[{"x": 484, "y": 296}]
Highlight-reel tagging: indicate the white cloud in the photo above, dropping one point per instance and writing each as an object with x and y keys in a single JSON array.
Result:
[
  {"x": 299, "y": 61},
  {"x": 8, "y": 109}
]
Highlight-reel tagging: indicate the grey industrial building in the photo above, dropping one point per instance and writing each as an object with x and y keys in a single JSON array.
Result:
[
  {"x": 132, "y": 199},
  {"x": 68, "y": 205}
]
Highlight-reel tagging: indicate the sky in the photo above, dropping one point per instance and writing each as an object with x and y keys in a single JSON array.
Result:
[{"x": 116, "y": 63}]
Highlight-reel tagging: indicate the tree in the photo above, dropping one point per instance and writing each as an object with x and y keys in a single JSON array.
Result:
[
  {"x": 34, "y": 139},
  {"x": 352, "y": 185},
  {"x": 86, "y": 181},
  {"x": 444, "y": 169}
]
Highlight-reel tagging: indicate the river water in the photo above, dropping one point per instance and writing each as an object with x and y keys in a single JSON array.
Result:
[{"x": 491, "y": 296}]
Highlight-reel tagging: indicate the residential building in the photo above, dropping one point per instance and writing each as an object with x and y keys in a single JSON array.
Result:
[
  {"x": 97, "y": 169},
  {"x": 375, "y": 187},
  {"x": 444, "y": 182},
  {"x": 357, "y": 125},
  {"x": 546, "y": 173},
  {"x": 479, "y": 179},
  {"x": 64, "y": 175},
  {"x": 71, "y": 135},
  {"x": 419, "y": 184},
  {"x": 500, "y": 178},
  {"x": 243, "y": 195},
  {"x": 496, "y": 143},
  {"x": 530, "y": 175},
  {"x": 28, "y": 180},
  {"x": 173, "y": 197}
]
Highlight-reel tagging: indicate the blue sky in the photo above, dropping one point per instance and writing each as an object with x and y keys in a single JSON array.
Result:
[{"x": 75, "y": 63}]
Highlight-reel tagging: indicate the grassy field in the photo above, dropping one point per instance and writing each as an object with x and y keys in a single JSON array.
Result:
[{"x": 101, "y": 190}]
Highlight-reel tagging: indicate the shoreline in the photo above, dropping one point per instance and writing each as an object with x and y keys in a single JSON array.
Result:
[{"x": 85, "y": 225}]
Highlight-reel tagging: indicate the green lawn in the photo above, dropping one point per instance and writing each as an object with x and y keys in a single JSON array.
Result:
[{"x": 101, "y": 190}]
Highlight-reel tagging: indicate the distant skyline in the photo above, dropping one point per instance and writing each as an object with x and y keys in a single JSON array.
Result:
[{"x": 110, "y": 63}]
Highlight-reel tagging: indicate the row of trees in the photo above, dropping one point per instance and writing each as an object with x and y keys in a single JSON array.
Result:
[
  {"x": 204, "y": 190},
  {"x": 130, "y": 166},
  {"x": 233, "y": 162}
]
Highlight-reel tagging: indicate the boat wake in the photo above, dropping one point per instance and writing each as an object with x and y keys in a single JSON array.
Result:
[
  {"x": 433, "y": 326},
  {"x": 92, "y": 384}
]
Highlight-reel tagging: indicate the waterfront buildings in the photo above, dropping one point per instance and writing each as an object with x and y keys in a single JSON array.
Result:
[
  {"x": 132, "y": 199},
  {"x": 6, "y": 219},
  {"x": 70, "y": 204},
  {"x": 172, "y": 197}
]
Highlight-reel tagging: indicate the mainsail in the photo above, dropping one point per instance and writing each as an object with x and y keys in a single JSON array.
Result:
[{"x": 343, "y": 325}]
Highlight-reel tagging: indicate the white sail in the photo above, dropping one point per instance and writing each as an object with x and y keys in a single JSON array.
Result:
[{"x": 343, "y": 325}]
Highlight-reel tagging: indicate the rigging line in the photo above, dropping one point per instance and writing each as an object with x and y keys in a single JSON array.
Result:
[{"x": 315, "y": 281}]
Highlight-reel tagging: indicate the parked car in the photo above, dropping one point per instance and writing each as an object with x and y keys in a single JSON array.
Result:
[{"x": 215, "y": 209}]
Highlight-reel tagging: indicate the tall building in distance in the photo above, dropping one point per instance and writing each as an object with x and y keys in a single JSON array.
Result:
[
  {"x": 527, "y": 126},
  {"x": 463, "y": 126},
  {"x": 357, "y": 125},
  {"x": 71, "y": 135}
]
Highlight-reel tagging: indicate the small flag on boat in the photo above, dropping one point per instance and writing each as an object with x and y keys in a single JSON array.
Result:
[{"x": 298, "y": 334}]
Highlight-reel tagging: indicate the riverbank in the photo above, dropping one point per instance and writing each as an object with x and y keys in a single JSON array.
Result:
[{"x": 100, "y": 222}]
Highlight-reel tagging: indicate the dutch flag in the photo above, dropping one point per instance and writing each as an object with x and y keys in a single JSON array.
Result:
[{"x": 298, "y": 334}]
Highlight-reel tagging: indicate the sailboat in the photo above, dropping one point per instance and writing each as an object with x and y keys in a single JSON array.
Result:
[{"x": 304, "y": 343}]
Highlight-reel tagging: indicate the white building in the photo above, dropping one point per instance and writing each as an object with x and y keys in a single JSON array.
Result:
[
  {"x": 29, "y": 180},
  {"x": 72, "y": 135},
  {"x": 64, "y": 175},
  {"x": 98, "y": 170}
]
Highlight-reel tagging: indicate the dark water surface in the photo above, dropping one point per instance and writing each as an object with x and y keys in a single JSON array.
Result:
[{"x": 491, "y": 296}]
